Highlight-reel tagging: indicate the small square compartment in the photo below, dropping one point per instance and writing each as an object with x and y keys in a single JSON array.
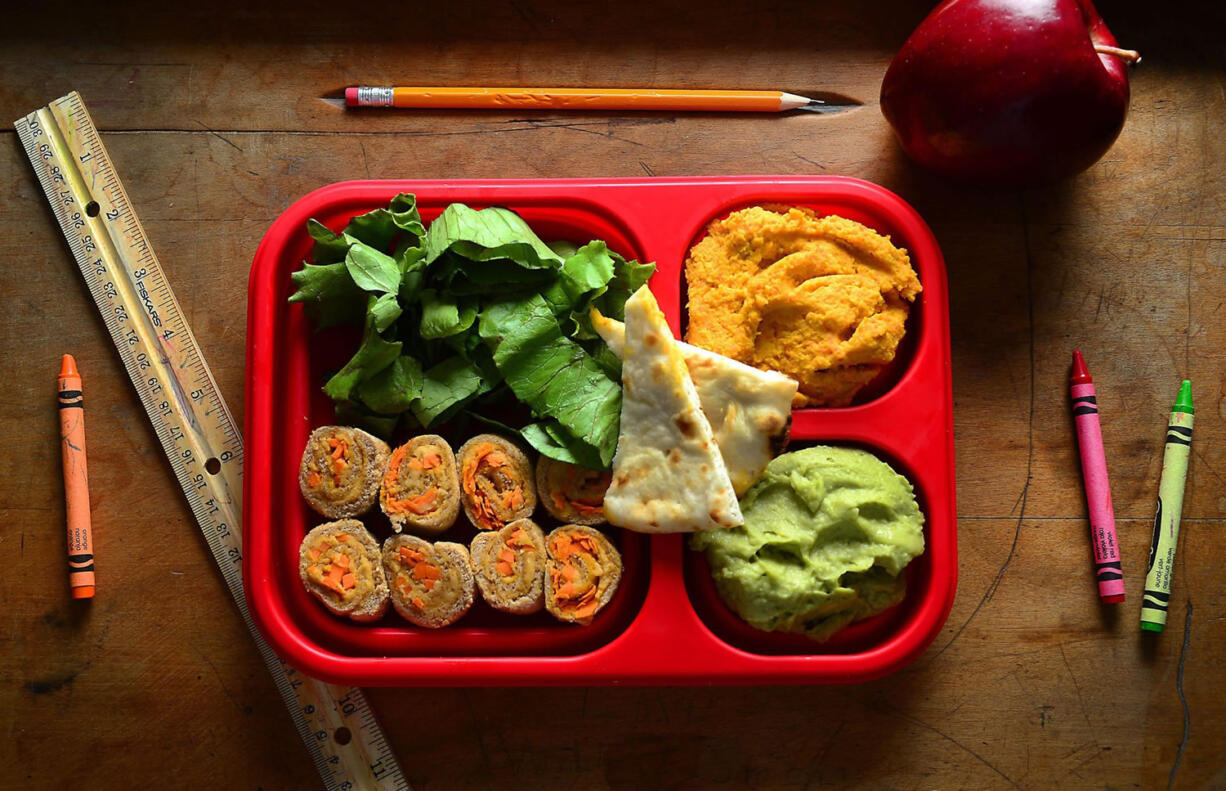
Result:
[
  {"x": 890, "y": 374},
  {"x": 856, "y": 638}
]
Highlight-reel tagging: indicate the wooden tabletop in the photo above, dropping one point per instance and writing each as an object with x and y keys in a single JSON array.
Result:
[{"x": 213, "y": 121}]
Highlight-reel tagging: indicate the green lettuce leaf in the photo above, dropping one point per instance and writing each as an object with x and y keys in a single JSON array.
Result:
[
  {"x": 329, "y": 293},
  {"x": 393, "y": 390},
  {"x": 407, "y": 256},
  {"x": 384, "y": 311},
  {"x": 563, "y": 248},
  {"x": 372, "y": 270},
  {"x": 443, "y": 315},
  {"x": 628, "y": 277},
  {"x": 552, "y": 374},
  {"x": 373, "y": 355},
  {"x": 404, "y": 213},
  {"x": 412, "y": 274},
  {"x": 589, "y": 270},
  {"x": 609, "y": 362},
  {"x": 329, "y": 247},
  {"x": 463, "y": 277},
  {"x": 487, "y": 235},
  {"x": 379, "y": 227},
  {"x": 584, "y": 276},
  {"x": 447, "y": 386},
  {"x": 550, "y": 439}
]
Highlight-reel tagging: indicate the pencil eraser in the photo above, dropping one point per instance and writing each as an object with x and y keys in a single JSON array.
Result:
[
  {"x": 83, "y": 592},
  {"x": 1116, "y": 599},
  {"x": 351, "y": 97}
]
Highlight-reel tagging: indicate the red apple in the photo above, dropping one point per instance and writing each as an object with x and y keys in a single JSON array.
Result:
[{"x": 1008, "y": 93}]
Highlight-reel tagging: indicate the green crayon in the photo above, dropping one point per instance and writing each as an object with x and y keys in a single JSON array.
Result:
[{"x": 1157, "y": 597}]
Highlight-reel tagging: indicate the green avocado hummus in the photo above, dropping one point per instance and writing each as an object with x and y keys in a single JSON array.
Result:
[{"x": 827, "y": 532}]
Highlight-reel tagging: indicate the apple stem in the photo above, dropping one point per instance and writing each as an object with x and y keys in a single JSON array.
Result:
[{"x": 1130, "y": 55}]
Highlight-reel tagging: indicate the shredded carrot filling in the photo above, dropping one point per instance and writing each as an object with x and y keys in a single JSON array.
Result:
[
  {"x": 336, "y": 571},
  {"x": 577, "y": 593},
  {"x": 518, "y": 539},
  {"x": 340, "y": 456},
  {"x": 419, "y": 504},
  {"x": 313, "y": 479},
  {"x": 586, "y": 509},
  {"x": 490, "y": 463},
  {"x": 393, "y": 465},
  {"x": 427, "y": 462},
  {"x": 589, "y": 487},
  {"x": 419, "y": 570},
  {"x": 424, "y": 571},
  {"x": 513, "y": 499},
  {"x": 422, "y": 503}
]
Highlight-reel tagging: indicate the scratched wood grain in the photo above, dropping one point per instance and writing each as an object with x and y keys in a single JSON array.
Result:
[{"x": 215, "y": 126}]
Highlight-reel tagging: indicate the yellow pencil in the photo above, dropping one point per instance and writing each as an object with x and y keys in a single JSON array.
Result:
[{"x": 695, "y": 100}]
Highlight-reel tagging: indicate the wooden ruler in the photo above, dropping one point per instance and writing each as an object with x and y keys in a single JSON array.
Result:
[{"x": 190, "y": 417}]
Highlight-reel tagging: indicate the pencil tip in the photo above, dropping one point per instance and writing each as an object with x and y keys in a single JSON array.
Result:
[
  {"x": 68, "y": 366},
  {"x": 822, "y": 106}
]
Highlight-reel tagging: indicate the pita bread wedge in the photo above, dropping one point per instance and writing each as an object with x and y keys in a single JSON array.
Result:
[
  {"x": 750, "y": 410},
  {"x": 668, "y": 476}
]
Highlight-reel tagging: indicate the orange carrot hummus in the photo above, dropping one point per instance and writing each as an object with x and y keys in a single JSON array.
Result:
[{"x": 821, "y": 299}]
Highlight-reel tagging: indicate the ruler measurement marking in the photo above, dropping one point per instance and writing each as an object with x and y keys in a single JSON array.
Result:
[{"x": 181, "y": 397}]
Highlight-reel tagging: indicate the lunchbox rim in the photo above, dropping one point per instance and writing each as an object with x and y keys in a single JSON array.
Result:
[{"x": 593, "y": 666}]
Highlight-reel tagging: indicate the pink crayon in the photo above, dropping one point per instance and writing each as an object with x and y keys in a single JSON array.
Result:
[{"x": 1098, "y": 492}]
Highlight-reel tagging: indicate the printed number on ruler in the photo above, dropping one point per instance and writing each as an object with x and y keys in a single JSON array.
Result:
[{"x": 188, "y": 412}]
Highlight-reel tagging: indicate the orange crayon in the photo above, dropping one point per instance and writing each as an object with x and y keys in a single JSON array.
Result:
[{"x": 76, "y": 482}]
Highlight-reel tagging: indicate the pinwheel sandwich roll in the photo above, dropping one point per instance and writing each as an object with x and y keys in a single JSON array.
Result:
[
  {"x": 509, "y": 565},
  {"x": 584, "y": 570},
  {"x": 339, "y": 564},
  {"x": 431, "y": 584},
  {"x": 570, "y": 493},
  {"x": 495, "y": 482},
  {"x": 340, "y": 471},
  {"x": 421, "y": 488}
]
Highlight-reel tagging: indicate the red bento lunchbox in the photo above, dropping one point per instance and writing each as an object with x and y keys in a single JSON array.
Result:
[{"x": 666, "y": 624}]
